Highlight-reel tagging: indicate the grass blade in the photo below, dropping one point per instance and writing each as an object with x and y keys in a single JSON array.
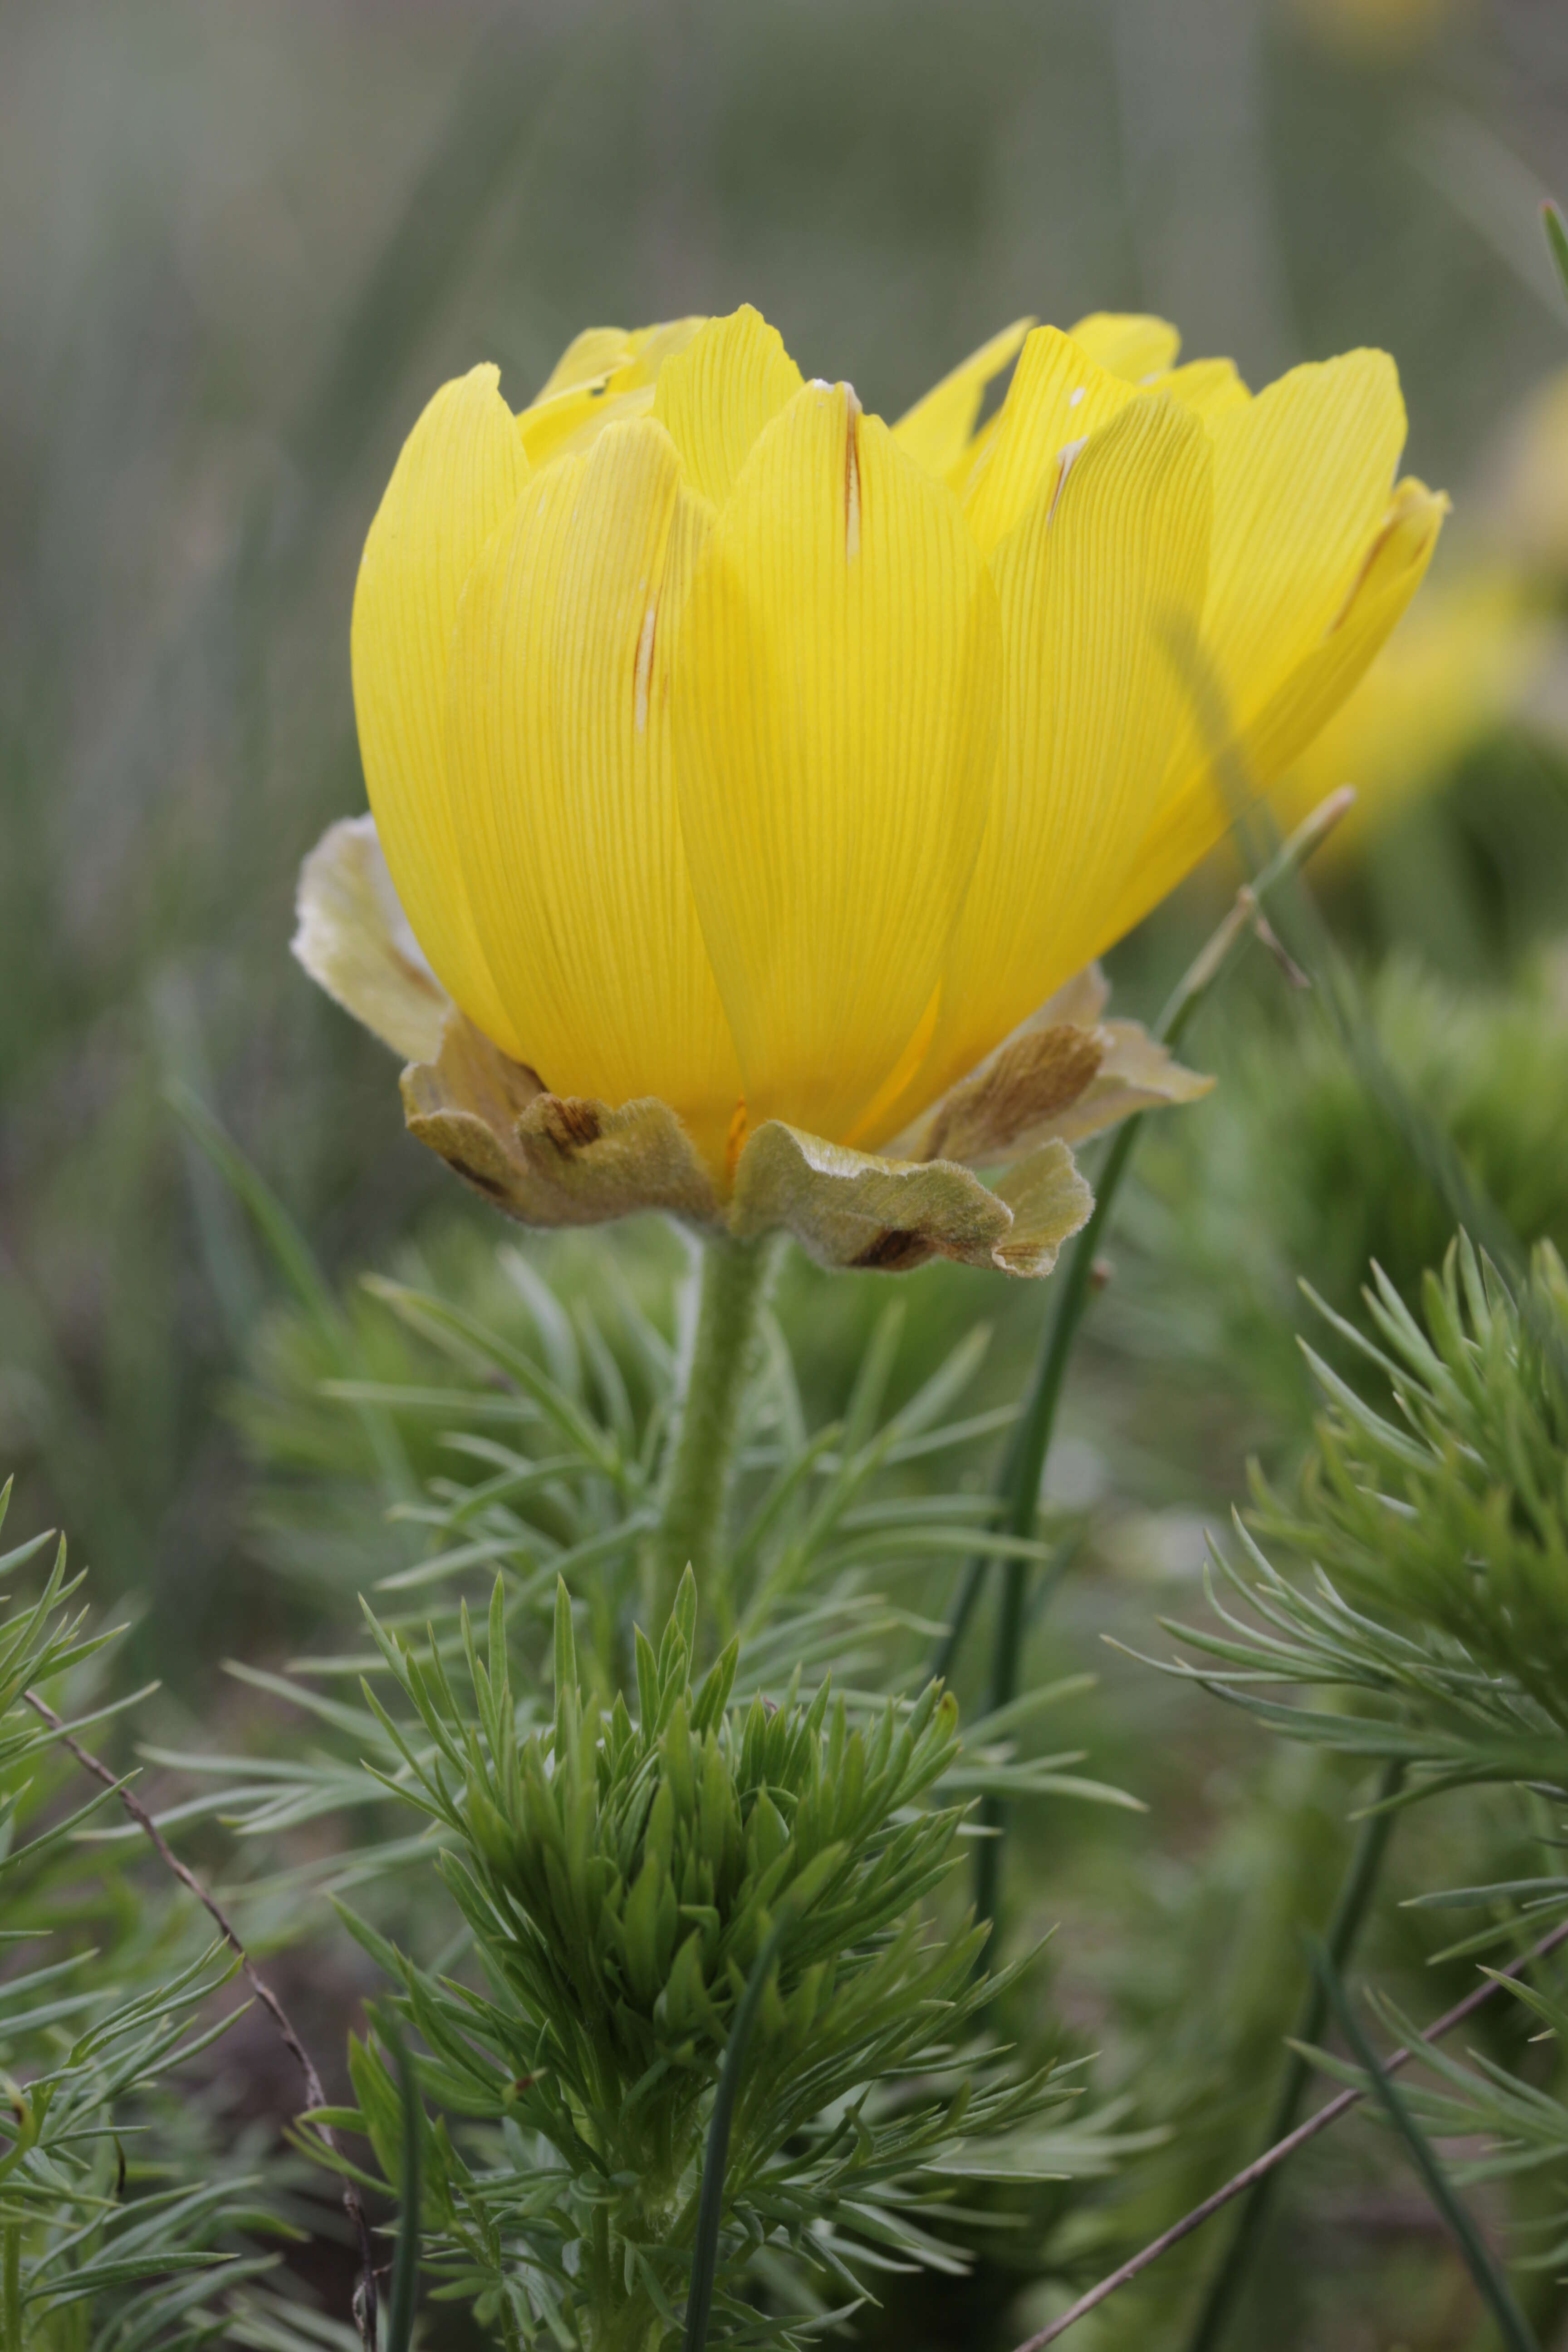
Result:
[
  {"x": 1492, "y": 2282},
  {"x": 1556, "y": 239}
]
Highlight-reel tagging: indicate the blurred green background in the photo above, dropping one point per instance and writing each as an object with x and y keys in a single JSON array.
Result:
[{"x": 242, "y": 244}]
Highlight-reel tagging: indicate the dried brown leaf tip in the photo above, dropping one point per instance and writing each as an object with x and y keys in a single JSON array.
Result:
[{"x": 1065, "y": 1075}]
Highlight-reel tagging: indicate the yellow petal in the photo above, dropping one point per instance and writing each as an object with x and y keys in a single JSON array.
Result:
[
  {"x": 938, "y": 431},
  {"x": 1301, "y": 502},
  {"x": 1208, "y": 387},
  {"x": 1127, "y": 344},
  {"x": 1058, "y": 396},
  {"x": 1090, "y": 587},
  {"x": 715, "y": 397},
  {"x": 1391, "y": 572},
  {"x": 588, "y": 358},
  {"x": 835, "y": 727},
  {"x": 460, "y": 473},
  {"x": 559, "y": 745},
  {"x": 1302, "y": 476},
  {"x": 652, "y": 346},
  {"x": 1191, "y": 817},
  {"x": 604, "y": 376}
]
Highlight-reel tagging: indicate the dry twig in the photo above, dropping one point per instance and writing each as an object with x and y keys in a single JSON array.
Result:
[
  {"x": 315, "y": 2096},
  {"x": 1243, "y": 2181}
]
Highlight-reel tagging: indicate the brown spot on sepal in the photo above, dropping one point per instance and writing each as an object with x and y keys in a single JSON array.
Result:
[
  {"x": 894, "y": 1251},
  {"x": 568, "y": 1121},
  {"x": 544, "y": 1158}
]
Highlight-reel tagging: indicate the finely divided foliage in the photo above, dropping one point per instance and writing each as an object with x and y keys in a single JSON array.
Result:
[
  {"x": 1436, "y": 1615},
  {"x": 616, "y": 1861},
  {"x": 630, "y": 1835},
  {"x": 1438, "y": 1539},
  {"x": 542, "y": 1431},
  {"x": 618, "y": 1878},
  {"x": 123, "y": 2226}
]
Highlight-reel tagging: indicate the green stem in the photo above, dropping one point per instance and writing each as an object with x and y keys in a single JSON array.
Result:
[
  {"x": 732, "y": 1283},
  {"x": 1018, "y": 1484},
  {"x": 1350, "y": 1911},
  {"x": 1019, "y": 1490},
  {"x": 11, "y": 2338}
]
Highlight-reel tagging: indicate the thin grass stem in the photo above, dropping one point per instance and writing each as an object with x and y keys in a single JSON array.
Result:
[
  {"x": 1491, "y": 2280},
  {"x": 1356, "y": 1890},
  {"x": 1018, "y": 1484},
  {"x": 1240, "y": 2182}
]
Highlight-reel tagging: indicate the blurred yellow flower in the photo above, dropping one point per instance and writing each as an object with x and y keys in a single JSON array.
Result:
[
  {"x": 1379, "y": 29},
  {"x": 1530, "y": 516},
  {"x": 1453, "y": 668},
  {"x": 730, "y": 748}
]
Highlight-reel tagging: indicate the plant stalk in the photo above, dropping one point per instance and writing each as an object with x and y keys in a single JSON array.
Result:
[
  {"x": 732, "y": 1283},
  {"x": 1019, "y": 1488},
  {"x": 1351, "y": 1907},
  {"x": 1018, "y": 1484}
]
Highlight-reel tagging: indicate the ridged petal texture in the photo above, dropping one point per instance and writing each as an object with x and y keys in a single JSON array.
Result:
[
  {"x": 1107, "y": 563},
  {"x": 714, "y": 397},
  {"x": 939, "y": 432},
  {"x": 605, "y": 377},
  {"x": 836, "y": 706},
  {"x": 1314, "y": 557},
  {"x": 558, "y": 755},
  {"x": 461, "y": 472}
]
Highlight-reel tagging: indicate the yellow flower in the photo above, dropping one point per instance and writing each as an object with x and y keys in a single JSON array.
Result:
[
  {"x": 749, "y": 766},
  {"x": 1453, "y": 668}
]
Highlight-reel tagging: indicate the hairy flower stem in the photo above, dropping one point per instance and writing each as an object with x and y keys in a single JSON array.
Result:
[
  {"x": 732, "y": 1283},
  {"x": 1351, "y": 1907},
  {"x": 1018, "y": 1485}
]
